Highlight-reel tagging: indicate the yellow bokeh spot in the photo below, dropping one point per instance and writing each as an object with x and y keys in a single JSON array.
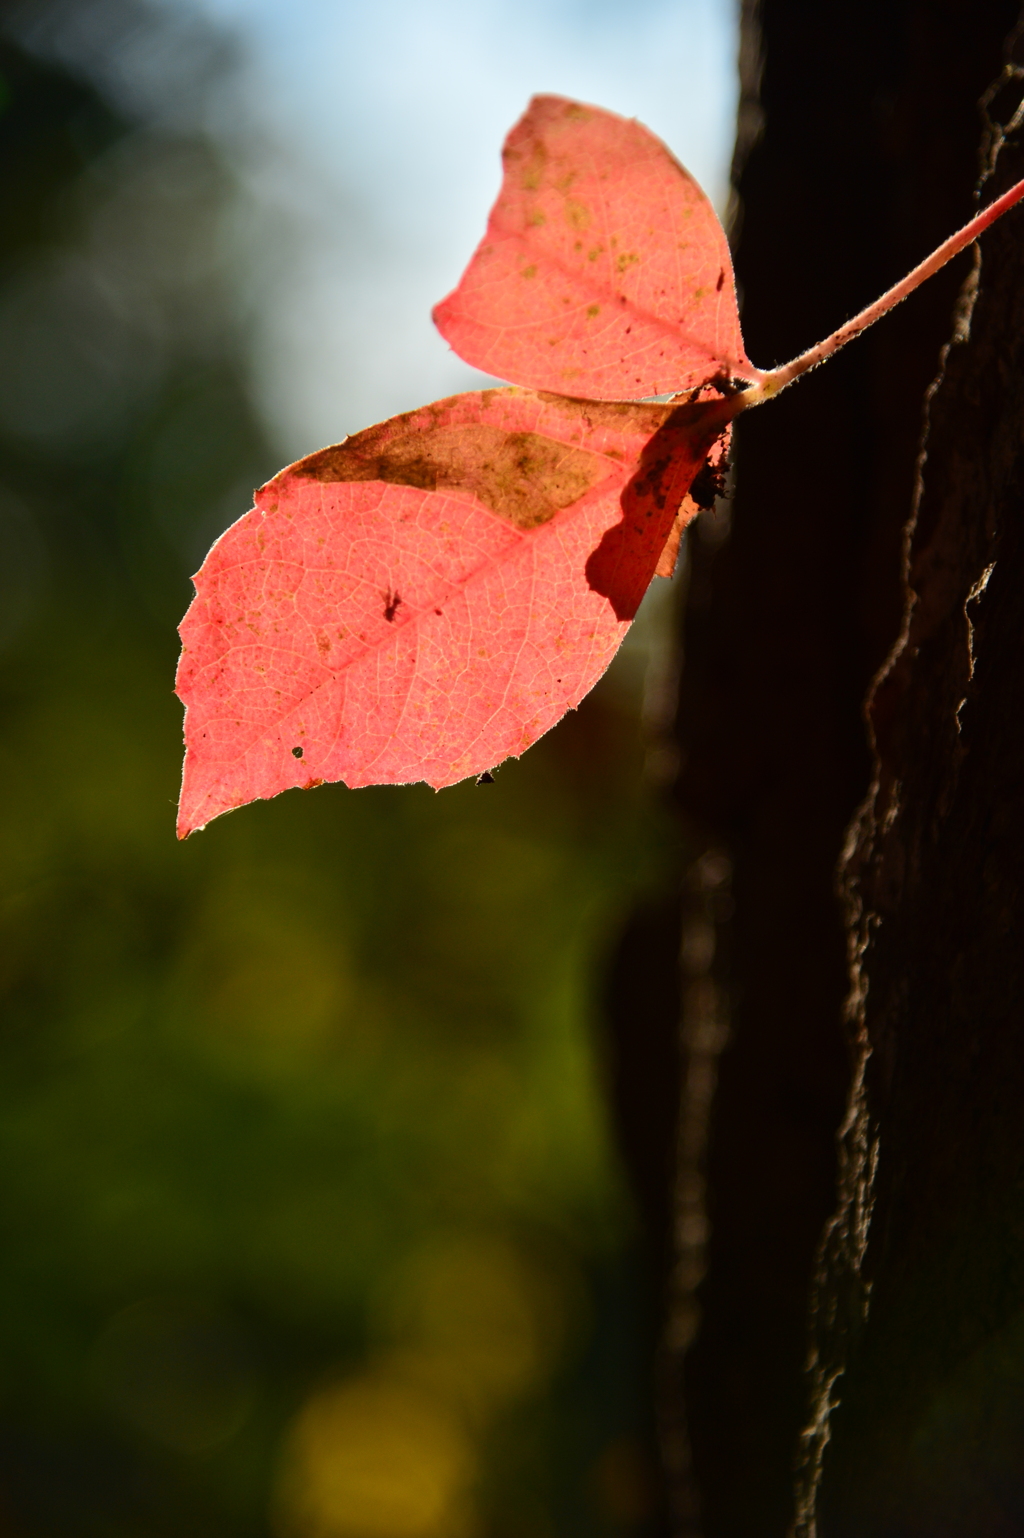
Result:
[
  {"x": 624, "y": 1483},
  {"x": 375, "y": 1457},
  {"x": 484, "y": 1320},
  {"x": 264, "y": 969}
]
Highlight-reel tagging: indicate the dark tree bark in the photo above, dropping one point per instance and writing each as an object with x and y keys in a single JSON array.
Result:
[
  {"x": 867, "y": 158},
  {"x": 924, "y": 1307}
]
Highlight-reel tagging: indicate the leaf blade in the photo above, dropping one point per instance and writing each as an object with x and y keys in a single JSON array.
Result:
[
  {"x": 394, "y": 632},
  {"x": 604, "y": 272}
]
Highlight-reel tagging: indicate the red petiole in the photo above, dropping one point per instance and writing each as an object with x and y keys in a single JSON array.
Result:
[{"x": 769, "y": 383}]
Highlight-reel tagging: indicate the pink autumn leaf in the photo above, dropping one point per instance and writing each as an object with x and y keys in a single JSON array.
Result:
[{"x": 429, "y": 597}]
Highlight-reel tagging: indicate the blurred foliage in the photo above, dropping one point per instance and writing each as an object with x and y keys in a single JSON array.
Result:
[{"x": 309, "y": 1217}]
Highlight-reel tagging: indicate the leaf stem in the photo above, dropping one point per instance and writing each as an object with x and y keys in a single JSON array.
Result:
[{"x": 774, "y": 380}]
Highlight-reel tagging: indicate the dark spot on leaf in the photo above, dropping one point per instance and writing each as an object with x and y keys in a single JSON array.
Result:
[
  {"x": 391, "y": 602},
  {"x": 721, "y": 280},
  {"x": 709, "y": 484},
  {"x": 312, "y": 784},
  {"x": 725, "y": 385},
  {"x": 296, "y": 752}
]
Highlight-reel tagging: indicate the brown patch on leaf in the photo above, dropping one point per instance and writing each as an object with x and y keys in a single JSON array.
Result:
[
  {"x": 523, "y": 477},
  {"x": 632, "y": 416}
]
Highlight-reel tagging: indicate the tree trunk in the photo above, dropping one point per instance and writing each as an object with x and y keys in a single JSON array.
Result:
[
  {"x": 922, "y": 1289},
  {"x": 859, "y": 155}
]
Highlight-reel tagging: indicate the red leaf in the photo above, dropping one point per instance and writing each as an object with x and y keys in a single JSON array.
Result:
[
  {"x": 604, "y": 271},
  {"x": 429, "y": 597}
]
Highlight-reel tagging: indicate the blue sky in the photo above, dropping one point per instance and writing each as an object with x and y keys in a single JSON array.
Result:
[{"x": 369, "y": 137}]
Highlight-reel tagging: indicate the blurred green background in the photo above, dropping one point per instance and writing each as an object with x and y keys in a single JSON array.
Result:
[{"x": 311, "y": 1219}]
